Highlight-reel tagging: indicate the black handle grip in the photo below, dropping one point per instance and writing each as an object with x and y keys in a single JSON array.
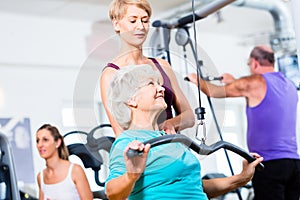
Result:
[
  {"x": 207, "y": 78},
  {"x": 132, "y": 153},
  {"x": 212, "y": 78},
  {"x": 201, "y": 149}
]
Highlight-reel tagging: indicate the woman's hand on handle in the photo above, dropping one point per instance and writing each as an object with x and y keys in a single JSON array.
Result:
[
  {"x": 219, "y": 186},
  {"x": 249, "y": 168},
  {"x": 120, "y": 188},
  {"x": 135, "y": 166}
]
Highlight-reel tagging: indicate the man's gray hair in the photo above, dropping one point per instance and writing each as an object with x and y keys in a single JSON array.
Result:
[{"x": 123, "y": 87}]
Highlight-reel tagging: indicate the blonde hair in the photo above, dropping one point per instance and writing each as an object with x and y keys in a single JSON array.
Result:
[
  {"x": 123, "y": 87},
  {"x": 118, "y": 8}
]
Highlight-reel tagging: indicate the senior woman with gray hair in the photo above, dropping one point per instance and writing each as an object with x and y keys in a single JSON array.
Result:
[{"x": 168, "y": 171}]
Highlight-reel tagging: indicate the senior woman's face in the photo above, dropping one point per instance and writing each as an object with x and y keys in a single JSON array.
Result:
[{"x": 150, "y": 96}]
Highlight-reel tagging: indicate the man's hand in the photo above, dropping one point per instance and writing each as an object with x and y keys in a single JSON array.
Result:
[
  {"x": 227, "y": 78},
  {"x": 192, "y": 78}
]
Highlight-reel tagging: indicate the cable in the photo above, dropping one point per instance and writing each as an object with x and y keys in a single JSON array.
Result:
[
  {"x": 201, "y": 111},
  {"x": 196, "y": 51}
]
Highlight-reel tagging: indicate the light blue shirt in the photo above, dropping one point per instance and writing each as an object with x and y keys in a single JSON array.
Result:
[{"x": 172, "y": 171}]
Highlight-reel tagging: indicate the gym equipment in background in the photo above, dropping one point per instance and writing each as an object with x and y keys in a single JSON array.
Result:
[
  {"x": 89, "y": 151},
  {"x": 8, "y": 180}
]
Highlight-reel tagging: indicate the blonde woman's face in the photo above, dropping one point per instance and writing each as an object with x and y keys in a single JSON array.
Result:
[{"x": 134, "y": 26}]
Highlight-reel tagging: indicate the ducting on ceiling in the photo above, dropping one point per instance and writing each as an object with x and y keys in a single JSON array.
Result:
[{"x": 282, "y": 41}]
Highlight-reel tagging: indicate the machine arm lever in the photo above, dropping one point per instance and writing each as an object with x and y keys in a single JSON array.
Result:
[{"x": 201, "y": 149}]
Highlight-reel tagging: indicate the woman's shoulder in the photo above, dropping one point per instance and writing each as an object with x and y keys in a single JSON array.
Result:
[
  {"x": 125, "y": 137},
  {"x": 109, "y": 68},
  {"x": 76, "y": 167},
  {"x": 107, "y": 74},
  {"x": 40, "y": 173},
  {"x": 38, "y": 176},
  {"x": 142, "y": 135},
  {"x": 162, "y": 62},
  {"x": 77, "y": 171}
]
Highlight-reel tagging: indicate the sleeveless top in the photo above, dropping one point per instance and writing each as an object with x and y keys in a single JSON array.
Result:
[
  {"x": 169, "y": 95},
  {"x": 64, "y": 190},
  {"x": 272, "y": 124}
]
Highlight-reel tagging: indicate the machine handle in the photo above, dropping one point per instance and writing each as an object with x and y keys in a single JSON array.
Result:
[{"x": 201, "y": 149}]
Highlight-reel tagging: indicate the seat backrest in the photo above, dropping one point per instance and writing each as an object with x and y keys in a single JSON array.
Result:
[
  {"x": 85, "y": 155},
  {"x": 89, "y": 152}
]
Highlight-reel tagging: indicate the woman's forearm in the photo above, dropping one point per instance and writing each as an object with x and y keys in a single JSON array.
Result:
[
  {"x": 120, "y": 188},
  {"x": 219, "y": 186},
  {"x": 185, "y": 120}
]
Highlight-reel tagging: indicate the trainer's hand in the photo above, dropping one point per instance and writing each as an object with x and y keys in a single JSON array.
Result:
[{"x": 168, "y": 127}]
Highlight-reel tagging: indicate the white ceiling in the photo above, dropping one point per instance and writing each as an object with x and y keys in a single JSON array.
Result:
[
  {"x": 74, "y": 9},
  {"x": 235, "y": 20}
]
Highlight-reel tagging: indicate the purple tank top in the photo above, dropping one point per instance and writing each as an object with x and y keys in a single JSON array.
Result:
[
  {"x": 271, "y": 128},
  {"x": 167, "y": 114}
]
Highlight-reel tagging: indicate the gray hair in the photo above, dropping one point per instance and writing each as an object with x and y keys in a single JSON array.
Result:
[{"x": 123, "y": 87}]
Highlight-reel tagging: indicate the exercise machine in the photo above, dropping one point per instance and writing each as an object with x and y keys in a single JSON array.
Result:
[
  {"x": 89, "y": 152},
  {"x": 8, "y": 179}
]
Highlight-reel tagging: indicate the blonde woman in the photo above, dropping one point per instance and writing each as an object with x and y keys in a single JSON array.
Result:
[{"x": 131, "y": 21}]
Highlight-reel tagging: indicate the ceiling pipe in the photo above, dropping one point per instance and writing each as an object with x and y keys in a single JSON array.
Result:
[
  {"x": 164, "y": 26},
  {"x": 201, "y": 13},
  {"x": 296, "y": 18},
  {"x": 283, "y": 40}
]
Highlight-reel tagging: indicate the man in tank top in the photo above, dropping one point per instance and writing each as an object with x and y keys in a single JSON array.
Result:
[{"x": 271, "y": 115}]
